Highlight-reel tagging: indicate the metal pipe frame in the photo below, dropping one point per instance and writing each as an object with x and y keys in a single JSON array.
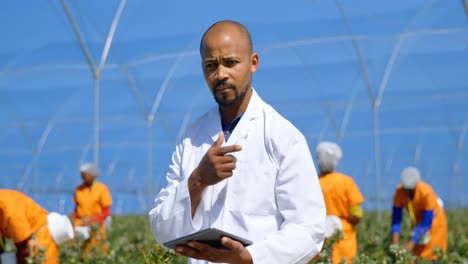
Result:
[{"x": 96, "y": 71}]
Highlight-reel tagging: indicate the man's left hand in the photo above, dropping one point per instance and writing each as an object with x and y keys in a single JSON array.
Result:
[
  {"x": 233, "y": 252},
  {"x": 409, "y": 246}
]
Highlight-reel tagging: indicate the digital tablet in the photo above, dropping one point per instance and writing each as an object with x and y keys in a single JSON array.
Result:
[{"x": 210, "y": 236}]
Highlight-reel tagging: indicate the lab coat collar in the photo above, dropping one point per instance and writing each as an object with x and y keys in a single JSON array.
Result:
[{"x": 253, "y": 111}]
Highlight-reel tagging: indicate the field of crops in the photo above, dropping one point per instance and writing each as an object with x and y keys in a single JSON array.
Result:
[
  {"x": 131, "y": 241},
  {"x": 374, "y": 240}
]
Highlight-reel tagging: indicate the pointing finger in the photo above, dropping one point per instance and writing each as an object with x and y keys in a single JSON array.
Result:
[{"x": 229, "y": 149}]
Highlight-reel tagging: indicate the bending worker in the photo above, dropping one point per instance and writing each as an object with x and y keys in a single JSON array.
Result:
[
  {"x": 428, "y": 222},
  {"x": 342, "y": 199},
  {"x": 93, "y": 201},
  {"x": 25, "y": 222}
]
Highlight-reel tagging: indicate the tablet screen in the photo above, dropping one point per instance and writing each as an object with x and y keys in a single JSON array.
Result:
[{"x": 210, "y": 236}]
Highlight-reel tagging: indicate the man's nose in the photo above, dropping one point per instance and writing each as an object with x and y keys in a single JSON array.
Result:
[{"x": 221, "y": 73}]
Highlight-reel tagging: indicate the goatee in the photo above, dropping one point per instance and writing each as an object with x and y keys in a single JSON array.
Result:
[{"x": 238, "y": 98}]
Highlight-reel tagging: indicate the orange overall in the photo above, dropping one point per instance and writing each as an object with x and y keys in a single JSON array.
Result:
[
  {"x": 21, "y": 218},
  {"x": 340, "y": 193},
  {"x": 424, "y": 199},
  {"x": 90, "y": 202}
]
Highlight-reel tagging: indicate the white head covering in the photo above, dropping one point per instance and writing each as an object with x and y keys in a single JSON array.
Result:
[
  {"x": 91, "y": 169},
  {"x": 328, "y": 155},
  {"x": 410, "y": 177}
]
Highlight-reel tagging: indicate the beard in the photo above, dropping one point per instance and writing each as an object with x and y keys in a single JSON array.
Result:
[{"x": 238, "y": 96}]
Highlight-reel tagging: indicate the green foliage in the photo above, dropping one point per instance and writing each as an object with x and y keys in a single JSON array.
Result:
[
  {"x": 159, "y": 255},
  {"x": 324, "y": 256},
  {"x": 37, "y": 258},
  {"x": 401, "y": 256},
  {"x": 9, "y": 246},
  {"x": 374, "y": 241},
  {"x": 131, "y": 241}
]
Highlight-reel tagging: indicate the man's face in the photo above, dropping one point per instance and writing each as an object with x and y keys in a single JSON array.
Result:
[
  {"x": 228, "y": 65},
  {"x": 409, "y": 192},
  {"x": 87, "y": 179}
]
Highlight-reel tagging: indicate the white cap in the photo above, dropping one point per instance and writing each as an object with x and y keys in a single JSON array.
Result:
[
  {"x": 328, "y": 155},
  {"x": 410, "y": 177},
  {"x": 91, "y": 169}
]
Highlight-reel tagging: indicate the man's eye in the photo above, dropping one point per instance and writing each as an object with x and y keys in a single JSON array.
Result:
[
  {"x": 209, "y": 66},
  {"x": 231, "y": 63}
]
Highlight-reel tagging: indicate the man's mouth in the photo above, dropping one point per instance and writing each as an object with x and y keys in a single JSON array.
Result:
[{"x": 223, "y": 87}]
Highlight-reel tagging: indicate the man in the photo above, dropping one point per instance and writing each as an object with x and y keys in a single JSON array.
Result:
[
  {"x": 428, "y": 222},
  {"x": 241, "y": 168},
  {"x": 93, "y": 202},
  {"x": 25, "y": 222},
  {"x": 342, "y": 199}
]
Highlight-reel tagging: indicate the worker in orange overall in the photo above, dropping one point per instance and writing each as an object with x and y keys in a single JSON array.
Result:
[
  {"x": 25, "y": 222},
  {"x": 342, "y": 199},
  {"x": 93, "y": 201},
  {"x": 428, "y": 221}
]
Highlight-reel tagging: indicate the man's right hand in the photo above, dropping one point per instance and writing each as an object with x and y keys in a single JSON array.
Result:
[{"x": 216, "y": 165}]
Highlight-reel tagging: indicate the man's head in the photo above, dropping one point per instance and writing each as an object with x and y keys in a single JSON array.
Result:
[
  {"x": 409, "y": 179},
  {"x": 228, "y": 61},
  {"x": 328, "y": 156},
  {"x": 89, "y": 172}
]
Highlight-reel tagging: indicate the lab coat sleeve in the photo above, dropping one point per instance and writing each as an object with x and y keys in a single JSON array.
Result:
[
  {"x": 171, "y": 217},
  {"x": 300, "y": 202}
]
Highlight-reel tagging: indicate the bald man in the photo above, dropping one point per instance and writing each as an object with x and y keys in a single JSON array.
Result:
[{"x": 242, "y": 168}]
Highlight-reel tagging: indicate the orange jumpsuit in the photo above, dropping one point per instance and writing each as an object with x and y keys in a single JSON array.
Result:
[
  {"x": 21, "y": 218},
  {"x": 425, "y": 199},
  {"x": 91, "y": 201},
  {"x": 340, "y": 193}
]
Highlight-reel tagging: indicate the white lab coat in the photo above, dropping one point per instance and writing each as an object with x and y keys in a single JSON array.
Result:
[{"x": 273, "y": 198}]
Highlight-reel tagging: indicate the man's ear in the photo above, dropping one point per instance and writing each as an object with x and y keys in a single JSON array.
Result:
[{"x": 254, "y": 62}]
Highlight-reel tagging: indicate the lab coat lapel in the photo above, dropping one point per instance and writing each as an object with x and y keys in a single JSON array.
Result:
[
  {"x": 244, "y": 126},
  {"x": 213, "y": 123},
  {"x": 242, "y": 129}
]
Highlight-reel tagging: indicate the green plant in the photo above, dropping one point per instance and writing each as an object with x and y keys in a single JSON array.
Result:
[
  {"x": 37, "y": 257},
  {"x": 131, "y": 241},
  {"x": 324, "y": 257},
  {"x": 160, "y": 256},
  {"x": 400, "y": 255},
  {"x": 374, "y": 241}
]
